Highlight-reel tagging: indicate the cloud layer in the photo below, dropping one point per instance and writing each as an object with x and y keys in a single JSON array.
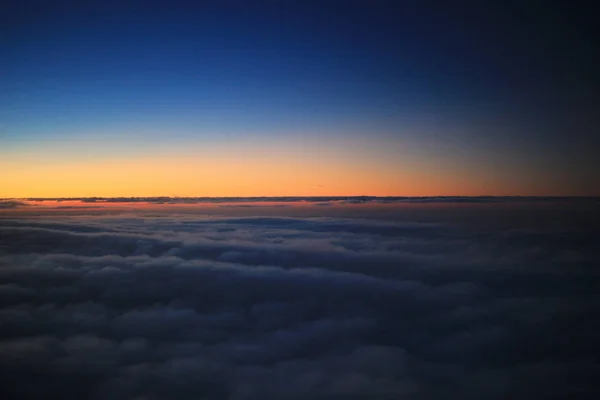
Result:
[{"x": 234, "y": 308}]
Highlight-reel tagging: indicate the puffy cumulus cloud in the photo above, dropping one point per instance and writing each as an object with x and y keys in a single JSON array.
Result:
[{"x": 295, "y": 308}]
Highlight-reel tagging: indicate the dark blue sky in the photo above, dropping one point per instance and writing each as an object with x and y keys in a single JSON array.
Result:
[{"x": 503, "y": 87}]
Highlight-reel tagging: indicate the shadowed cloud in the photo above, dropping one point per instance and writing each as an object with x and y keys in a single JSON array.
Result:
[{"x": 319, "y": 308}]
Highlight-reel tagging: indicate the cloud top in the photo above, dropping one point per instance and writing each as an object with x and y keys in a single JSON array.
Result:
[{"x": 180, "y": 307}]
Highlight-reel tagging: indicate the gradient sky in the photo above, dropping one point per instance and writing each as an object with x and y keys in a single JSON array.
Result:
[{"x": 286, "y": 98}]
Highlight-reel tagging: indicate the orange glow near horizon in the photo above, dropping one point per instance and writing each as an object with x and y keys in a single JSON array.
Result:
[
  {"x": 230, "y": 176},
  {"x": 180, "y": 180},
  {"x": 224, "y": 177},
  {"x": 309, "y": 168}
]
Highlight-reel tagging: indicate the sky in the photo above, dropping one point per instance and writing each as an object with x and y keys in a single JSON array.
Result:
[{"x": 307, "y": 98}]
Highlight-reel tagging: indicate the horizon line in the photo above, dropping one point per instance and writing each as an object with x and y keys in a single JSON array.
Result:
[{"x": 293, "y": 198}]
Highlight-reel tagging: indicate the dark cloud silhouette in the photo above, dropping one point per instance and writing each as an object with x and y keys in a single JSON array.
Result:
[
  {"x": 253, "y": 205},
  {"x": 5, "y": 204},
  {"x": 191, "y": 307}
]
